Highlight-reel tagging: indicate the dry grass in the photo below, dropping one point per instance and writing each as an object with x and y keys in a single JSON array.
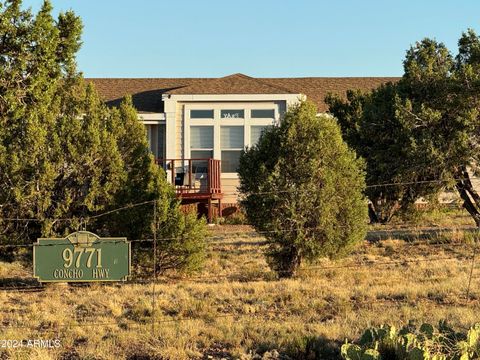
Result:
[
  {"x": 236, "y": 308},
  {"x": 433, "y": 216}
]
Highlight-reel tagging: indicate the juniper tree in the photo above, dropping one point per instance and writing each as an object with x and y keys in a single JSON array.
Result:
[
  {"x": 65, "y": 156},
  {"x": 303, "y": 186},
  {"x": 372, "y": 126},
  {"x": 182, "y": 236},
  {"x": 36, "y": 57},
  {"x": 421, "y": 132}
]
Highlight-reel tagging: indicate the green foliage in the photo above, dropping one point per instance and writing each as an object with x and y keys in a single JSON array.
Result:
[
  {"x": 65, "y": 156},
  {"x": 186, "y": 249},
  {"x": 303, "y": 186},
  {"x": 37, "y": 68},
  {"x": 181, "y": 245},
  {"x": 410, "y": 343},
  {"x": 237, "y": 218},
  {"x": 429, "y": 119},
  {"x": 140, "y": 180}
]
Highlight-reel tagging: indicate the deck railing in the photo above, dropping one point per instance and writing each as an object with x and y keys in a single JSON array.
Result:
[{"x": 193, "y": 176}]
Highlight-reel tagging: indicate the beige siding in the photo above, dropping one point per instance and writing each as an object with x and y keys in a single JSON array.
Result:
[
  {"x": 229, "y": 186},
  {"x": 179, "y": 141}
]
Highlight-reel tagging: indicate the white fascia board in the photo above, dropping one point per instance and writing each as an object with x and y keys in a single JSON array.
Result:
[
  {"x": 234, "y": 97},
  {"x": 153, "y": 122},
  {"x": 152, "y": 117}
]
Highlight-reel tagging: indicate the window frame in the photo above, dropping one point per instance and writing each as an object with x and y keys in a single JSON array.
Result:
[{"x": 218, "y": 121}]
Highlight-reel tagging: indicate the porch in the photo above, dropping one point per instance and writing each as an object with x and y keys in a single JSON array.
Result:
[{"x": 195, "y": 181}]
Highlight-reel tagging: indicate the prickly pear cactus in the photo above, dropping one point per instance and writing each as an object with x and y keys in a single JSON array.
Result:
[
  {"x": 409, "y": 343},
  {"x": 351, "y": 351}
]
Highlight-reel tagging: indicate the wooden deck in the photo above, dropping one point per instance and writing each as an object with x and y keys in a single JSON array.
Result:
[{"x": 195, "y": 181}]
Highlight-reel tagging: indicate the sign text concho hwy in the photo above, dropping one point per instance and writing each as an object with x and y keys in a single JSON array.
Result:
[{"x": 81, "y": 256}]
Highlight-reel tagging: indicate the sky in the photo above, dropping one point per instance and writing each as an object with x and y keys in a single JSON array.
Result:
[{"x": 260, "y": 38}]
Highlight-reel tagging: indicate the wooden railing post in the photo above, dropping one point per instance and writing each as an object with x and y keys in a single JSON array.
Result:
[
  {"x": 213, "y": 180},
  {"x": 219, "y": 171},
  {"x": 216, "y": 176},
  {"x": 209, "y": 176},
  {"x": 190, "y": 173}
]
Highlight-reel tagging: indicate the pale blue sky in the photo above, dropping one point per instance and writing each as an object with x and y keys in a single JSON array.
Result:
[{"x": 264, "y": 38}]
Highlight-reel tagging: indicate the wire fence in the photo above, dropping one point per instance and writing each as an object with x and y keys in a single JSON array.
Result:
[
  {"x": 370, "y": 186},
  {"x": 232, "y": 193},
  {"x": 212, "y": 238},
  {"x": 469, "y": 261},
  {"x": 28, "y": 284}
]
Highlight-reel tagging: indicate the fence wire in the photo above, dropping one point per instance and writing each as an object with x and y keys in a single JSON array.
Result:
[{"x": 239, "y": 276}]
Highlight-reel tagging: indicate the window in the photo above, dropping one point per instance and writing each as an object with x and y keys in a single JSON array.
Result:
[
  {"x": 153, "y": 139},
  {"x": 201, "y": 137},
  {"x": 230, "y": 161},
  {"x": 255, "y": 132},
  {"x": 263, "y": 113},
  {"x": 231, "y": 137},
  {"x": 148, "y": 132},
  {"x": 201, "y": 142},
  {"x": 232, "y": 114},
  {"x": 231, "y": 142},
  {"x": 201, "y": 114}
]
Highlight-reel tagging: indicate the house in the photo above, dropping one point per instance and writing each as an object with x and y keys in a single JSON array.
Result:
[{"x": 197, "y": 127}]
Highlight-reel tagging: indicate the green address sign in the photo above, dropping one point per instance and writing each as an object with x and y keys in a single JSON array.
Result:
[{"x": 81, "y": 256}]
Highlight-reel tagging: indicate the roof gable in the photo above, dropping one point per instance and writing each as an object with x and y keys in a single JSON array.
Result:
[{"x": 231, "y": 84}]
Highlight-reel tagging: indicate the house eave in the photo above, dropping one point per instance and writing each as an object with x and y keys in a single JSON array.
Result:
[
  {"x": 231, "y": 97},
  {"x": 152, "y": 118}
]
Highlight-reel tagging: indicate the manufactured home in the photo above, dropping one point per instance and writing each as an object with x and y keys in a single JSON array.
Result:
[{"x": 197, "y": 127}]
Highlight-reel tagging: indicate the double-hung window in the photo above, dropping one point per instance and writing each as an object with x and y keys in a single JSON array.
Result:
[
  {"x": 255, "y": 133},
  {"x": 201, "y": 146},
  {"x": 231, "y": 143},
  {"x": 222, "y": 131},
  {"x": 201, "y": 142}
]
